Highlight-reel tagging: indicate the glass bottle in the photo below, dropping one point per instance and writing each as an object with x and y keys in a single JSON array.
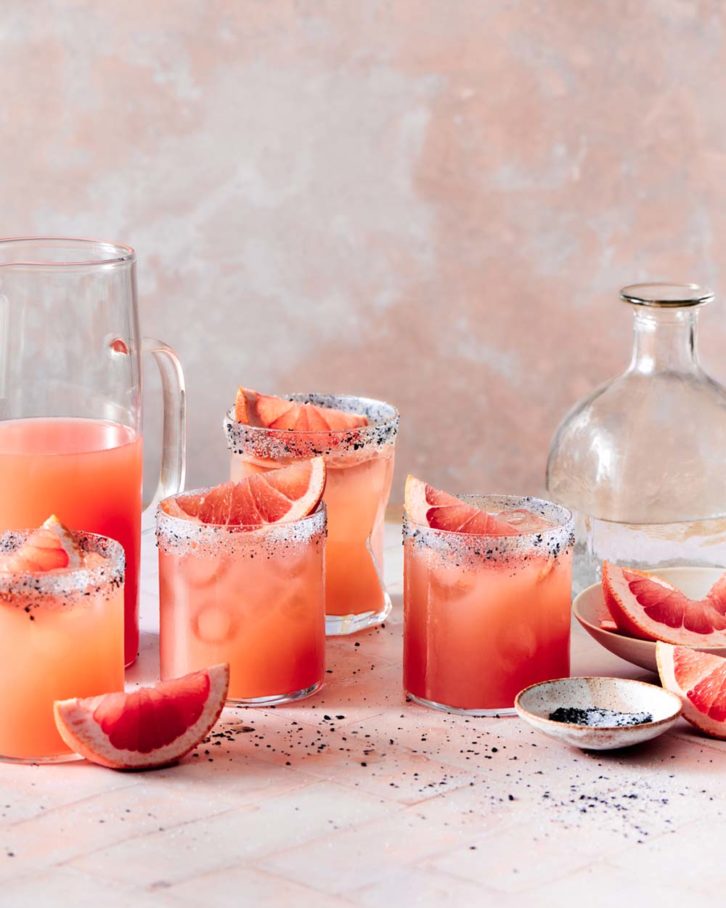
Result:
[{"x": 641, "y": 462}]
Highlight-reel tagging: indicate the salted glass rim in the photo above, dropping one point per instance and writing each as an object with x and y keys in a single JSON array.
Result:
[
  {"x": 301, "y": 397},
  {"x": 34, "y": 252},
  {"x": 70, "y": 580},
  {"x": 242, "y": 528},
  {"x": 519, "y": 502}
]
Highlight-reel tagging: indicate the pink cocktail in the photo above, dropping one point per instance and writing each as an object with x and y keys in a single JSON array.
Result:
[
  {"x": 487, "y": 615},
  {"x": 251, "y": 596},
  {"x": 61, "y": 636},
  {"x": 88, "y": 473},
  {"x": 359, "y": 464}
]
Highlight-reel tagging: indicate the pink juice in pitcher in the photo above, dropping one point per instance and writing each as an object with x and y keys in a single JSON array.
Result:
[{"x": 88, "y": 473}]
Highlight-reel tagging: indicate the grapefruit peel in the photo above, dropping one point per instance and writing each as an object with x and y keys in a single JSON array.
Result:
[
  {"x": 270, "y": 412},
  {"x": 278, "y": 496},
  {"x": 649, "y": 608},
  {"x": 145, "y": 728},
  {"x": 699, "y": 679},
  {"x": 428, "y": 506},
  {"x": 49, "y": 548}
]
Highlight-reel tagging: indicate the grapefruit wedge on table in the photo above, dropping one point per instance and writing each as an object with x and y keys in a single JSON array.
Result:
[
  {"x": 49, "y": 548},
  {"x": 270, "y": 412},
  {"x": 278, "y": 496},
  {"x": 647, "y": 607},
  {"x": 427, "y": 506},
  {"x": 699, "y": 679},
  {"x": 145, "y": 728}
]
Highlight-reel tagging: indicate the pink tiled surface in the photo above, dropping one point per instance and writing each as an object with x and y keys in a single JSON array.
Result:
[{"x": 356, "y": 798}]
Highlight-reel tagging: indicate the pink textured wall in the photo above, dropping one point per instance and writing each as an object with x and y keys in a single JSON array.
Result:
[{"x": 430, "y": 201}]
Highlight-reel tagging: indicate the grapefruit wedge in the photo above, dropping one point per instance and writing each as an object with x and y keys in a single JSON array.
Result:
[
  {"x": 648, "y": 607},
  {"x": 427, "y": 506},
  {"x": 272, "y": 412},
  {"x": 288, "y": 493},
  {"x": 145, "y": 728},
  {"x": 49, "y": 548},
  {"x": 699, "y": 679}
]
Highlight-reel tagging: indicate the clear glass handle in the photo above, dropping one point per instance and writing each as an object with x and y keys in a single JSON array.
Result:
[{"x": 174, "y": 435}]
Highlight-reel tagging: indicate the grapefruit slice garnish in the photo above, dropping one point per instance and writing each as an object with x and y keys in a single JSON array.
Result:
[
  {"x": 270, "y": 412},
  {"x": 49, "y": 548},
  {"x": 699, "y": 679},
  {"x": 278, "y": 496},
  {"x": 145, "y": 728},
  {"x": 427, "y": 506},
  {"x": 647, "y": 607}
]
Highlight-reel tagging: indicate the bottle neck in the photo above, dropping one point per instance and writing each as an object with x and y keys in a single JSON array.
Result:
[{"x": 665, "y": 340}]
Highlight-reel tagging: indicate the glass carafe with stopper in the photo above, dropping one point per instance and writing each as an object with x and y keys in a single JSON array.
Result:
[{"x": 642, "y": 460}]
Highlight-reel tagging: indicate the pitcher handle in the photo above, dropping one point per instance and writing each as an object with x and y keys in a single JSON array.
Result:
[{"x": 174, "y": 435}]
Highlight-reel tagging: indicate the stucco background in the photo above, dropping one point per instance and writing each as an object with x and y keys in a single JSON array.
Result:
[{"x": 430, "y": 201}]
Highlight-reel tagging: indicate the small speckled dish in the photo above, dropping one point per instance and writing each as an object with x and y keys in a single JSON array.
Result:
[
  {"x": 589, "y": 608},
  {"x": 534, "y": 704}
]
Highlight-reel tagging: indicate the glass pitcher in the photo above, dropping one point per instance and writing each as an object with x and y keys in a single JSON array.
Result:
[
  {"x": 70, "y": 396},
  {"x": 641, "y": 460}
]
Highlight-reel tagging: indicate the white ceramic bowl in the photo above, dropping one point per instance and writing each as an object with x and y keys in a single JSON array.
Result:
[
  {"x": 589, "y": 608},
  {"x": 534, "y": 704}
]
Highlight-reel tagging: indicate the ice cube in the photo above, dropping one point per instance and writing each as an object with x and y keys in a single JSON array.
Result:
[
  {"x": 297, "y": 606},
  {"x": 200, "y": 570},
  {"x": 451, "y": 582},
  {"x": 214, "y": 624},
  {"x": 525, "y": 521}
]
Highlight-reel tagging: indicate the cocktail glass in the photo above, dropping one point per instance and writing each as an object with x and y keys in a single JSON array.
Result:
[
  {"x": 61, "y": 636},
  {"x": 359, "y": 462},
  {"x": 486, "y": 616},
  {"x": 250, "y": 596}
]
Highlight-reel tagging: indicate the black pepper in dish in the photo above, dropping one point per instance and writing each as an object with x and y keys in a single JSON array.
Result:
[{"x": 598, "y": 718}]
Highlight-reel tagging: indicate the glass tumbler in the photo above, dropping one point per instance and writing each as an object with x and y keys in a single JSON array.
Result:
[
  {"x": 70, "y": 396},
  {"x": 61, "y": 636},
  {"x": 250, "y": 596},
  {"x": 360, "y": 471},
  {"x": 486, "y": 616}
]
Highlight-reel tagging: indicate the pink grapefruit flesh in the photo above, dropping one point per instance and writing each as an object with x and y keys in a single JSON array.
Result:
[
  {"x": 288, "y": 493},
  {"x": 427, "y": 506},
  {"x": 699, "y": 679},
  {"x": 145, "y": 728},
  {"x": 255, "y": 409},
  {"x": 49, "y": 548},
  {"x": 650, "y": 608}
]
